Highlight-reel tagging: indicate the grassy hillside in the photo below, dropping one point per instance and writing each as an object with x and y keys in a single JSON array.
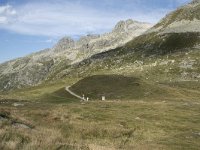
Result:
[
  {"x": 166, "y": 117},
  {"x": 155, "y": 44},
  {"x": 48, "y": 91},
  {"x": 189, "y": 12},
  {"x": 147, "y": 61},
  {"x": 111, "y": 86},
  {"x": 59, "y": 96},
  {"x": 116, "y": 87},
  {"x": 152, "y": 90},
  {"x": 162, "y": 58}
]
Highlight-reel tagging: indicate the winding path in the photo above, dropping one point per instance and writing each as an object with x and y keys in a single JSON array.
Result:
[{"x": 72, "y": 93}]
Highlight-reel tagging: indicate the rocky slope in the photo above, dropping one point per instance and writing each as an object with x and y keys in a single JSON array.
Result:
[
  {"x": 164, "y": 53},
  {"x": 89, "y": 45},
  {"x": 37, "y": 67},
  {"x": 184, "y": 19},
  {"x": 167, "y": 52},
  {"x": 176, "y": 32}
]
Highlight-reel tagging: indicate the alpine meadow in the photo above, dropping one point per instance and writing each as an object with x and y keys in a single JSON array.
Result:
[{"x": 133, "y": 87}]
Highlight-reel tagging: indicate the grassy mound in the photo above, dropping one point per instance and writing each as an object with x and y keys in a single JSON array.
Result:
[{"x": 116, "y": 87}]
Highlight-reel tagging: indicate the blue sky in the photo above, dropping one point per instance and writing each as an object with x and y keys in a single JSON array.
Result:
[{"x": 31, "y": 25}]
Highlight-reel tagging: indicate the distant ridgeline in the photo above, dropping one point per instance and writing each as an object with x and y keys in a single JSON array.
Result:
[
  {"x": 34, "y": 69},
  {"x": 161, "y": 50}
]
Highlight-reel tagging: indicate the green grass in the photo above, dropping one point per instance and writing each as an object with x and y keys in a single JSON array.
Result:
[
  {"x": 118, "y": 87},
  {"x": 168, "y": 118},
  {"x": 36, "y": 92},
  {"x": 148, "y": 49},
  {"x": 155, "y": 44},
  {"x": 156, "y": 108},
  {"x": 59, "y": 96}
]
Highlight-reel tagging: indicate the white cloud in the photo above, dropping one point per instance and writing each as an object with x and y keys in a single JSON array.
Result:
[
  {"x": 3, "y": 20},
  {"x": 54, "y": 20},
  {"x": 7, "y": 10},
  {"x": 66, "y": 18},
  {"x": 6, "y": 13}
]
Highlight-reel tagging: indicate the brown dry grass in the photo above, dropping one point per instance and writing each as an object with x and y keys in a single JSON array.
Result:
[{"x": 137, "y": 125}]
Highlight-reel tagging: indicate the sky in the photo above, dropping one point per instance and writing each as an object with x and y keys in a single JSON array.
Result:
[{"x": 28, "y": 26}]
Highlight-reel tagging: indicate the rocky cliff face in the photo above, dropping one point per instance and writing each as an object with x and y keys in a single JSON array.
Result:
[
  {"x": 64, "y": 44},
  {"x": 38, "y": 67}
]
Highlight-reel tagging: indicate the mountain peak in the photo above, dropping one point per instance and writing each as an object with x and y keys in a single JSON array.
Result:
[
  {"x": 64, "y": 43},
  {"x": 66, "y": 52},
  {"x": 127, "y": 29},
  {"x": 119, "y": 26},
  {"x": 125, "y": 26}
]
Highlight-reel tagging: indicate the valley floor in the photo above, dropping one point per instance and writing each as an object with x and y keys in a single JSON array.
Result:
[
  {"x": 154, "y": 124},
  {"x": 43, "y": 117}
]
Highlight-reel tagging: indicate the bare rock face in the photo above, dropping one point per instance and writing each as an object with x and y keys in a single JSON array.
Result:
[
  {"x": 63, "y": 44},
  {"x": 120, "y": 27},
  {"x": 38, "y": 67},
  {"x": 123, "y": 32},
  {"x": 86, "y": 39},
  {"x": 128, "y": 25}
]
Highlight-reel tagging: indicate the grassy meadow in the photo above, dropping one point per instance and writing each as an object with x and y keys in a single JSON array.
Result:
[
  {"x": 53, "y": 119},
  {"x": 151, "y": 104}
]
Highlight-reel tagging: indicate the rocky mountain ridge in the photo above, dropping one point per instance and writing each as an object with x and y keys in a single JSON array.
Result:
[
  {"x": 37, "y": 67},
  {"x": 177, "y": 36},
  {"x": 162, "y": 54},
  {"x": 89, "y": 45}
]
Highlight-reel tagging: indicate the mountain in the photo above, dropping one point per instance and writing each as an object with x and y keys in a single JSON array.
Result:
[
  {"x": 177, "y": 31},
  {"x": 184, "y": 19},
  {"x": 167, "y": 52},
  {"x": 89, "y": 45},
  {"x": 151, "y": 87},
  {"x": 38, "y": 67}
]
